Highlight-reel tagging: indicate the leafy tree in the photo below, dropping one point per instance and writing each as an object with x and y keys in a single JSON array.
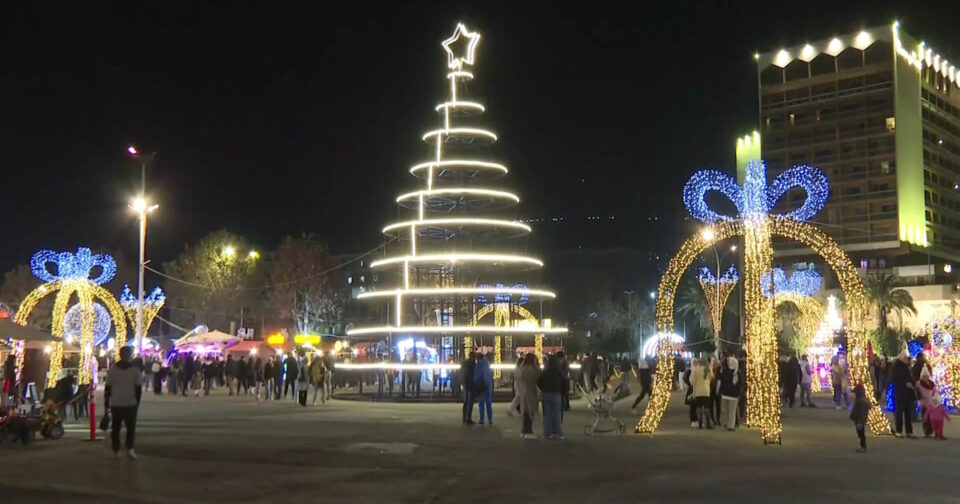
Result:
[
  {"x": 217, "y": 278},
  {"x": 884, "y": 293},
  {"x": 303, "y": 289},
  {"x": 17, "y": 283}
]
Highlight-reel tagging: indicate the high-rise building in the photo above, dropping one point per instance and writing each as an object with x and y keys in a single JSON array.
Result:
[{"x": 879, "y": 112}]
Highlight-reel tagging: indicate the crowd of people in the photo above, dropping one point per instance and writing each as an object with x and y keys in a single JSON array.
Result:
[{"x": 272, "y": 378}]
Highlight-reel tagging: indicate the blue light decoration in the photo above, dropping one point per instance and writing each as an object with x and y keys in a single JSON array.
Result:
[
  {"x": 71, "y": 266},
  {"x": 803, "y": 282},
  {"x": 502, "y": 297},
  {"x": 729, "y": 277},
  {"x": 756, "y": 197},
  {"x": 73, "y": 323},
  {"x": 914, "y": 347},
  {"x": 129, "y": 300}
]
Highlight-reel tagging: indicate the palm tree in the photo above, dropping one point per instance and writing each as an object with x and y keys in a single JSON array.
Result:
[
  {"x": 884, "y": 292},
  {"x": 691, "y": 303}
]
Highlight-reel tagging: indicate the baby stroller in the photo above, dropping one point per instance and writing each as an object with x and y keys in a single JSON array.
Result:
[{"x": 602, "y": 405}]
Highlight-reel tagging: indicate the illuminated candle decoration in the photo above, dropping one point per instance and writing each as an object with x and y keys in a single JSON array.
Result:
[
  {"x": 756, "y": 224},
  {"x": 716, "y": 292},
  {"x": 66, "y": 274},
  {"x": 457, "y": 203}
]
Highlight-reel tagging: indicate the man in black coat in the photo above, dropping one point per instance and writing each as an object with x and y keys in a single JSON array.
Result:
[
  {"x": 791, "y": 378},
  {"x": 466, "y": 370},
  {"x": 290, "y": 367},
  {"x": 904, "y": 395}
]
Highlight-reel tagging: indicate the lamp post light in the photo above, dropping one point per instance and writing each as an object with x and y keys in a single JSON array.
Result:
[{"x": 142, "y": 208}]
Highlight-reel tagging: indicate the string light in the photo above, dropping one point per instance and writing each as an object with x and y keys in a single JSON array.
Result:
[
  {"x": 757, "y": 226},
  {"x": 432, "y": 292},
  {"x": 72, "y": 276},
  {"x": 152, "y": 304},
  {"x": 803, "y": 282},
  {"x": 74, "y": 318},
  {"x": 717, "y": 292}
]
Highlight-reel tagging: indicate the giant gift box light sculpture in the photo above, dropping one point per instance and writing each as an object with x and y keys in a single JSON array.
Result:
[
  {"x": 754, "y": 222},
  {"x": 716, "y": 292},
  {"x": 443, "y": 261},
  {"x": 72, "y": 276},
  {"x": 151, "y": 307}
]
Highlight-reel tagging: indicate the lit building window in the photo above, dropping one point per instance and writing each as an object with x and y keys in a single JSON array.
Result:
[
  {"x": 891, "y": 124},
  {"x": 349, "y": 280},
  {"x": 793, "y": 119}
]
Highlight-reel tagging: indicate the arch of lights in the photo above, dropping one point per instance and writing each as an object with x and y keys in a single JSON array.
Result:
[
  {"x": 453, "y": 202},
  {"x": 757, "y": 225},
  {"x": 72, "y": 276},
  {"x": 798, "y": 289}
]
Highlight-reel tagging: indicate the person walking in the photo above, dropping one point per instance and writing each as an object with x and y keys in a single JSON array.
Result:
[
  {"x": 806, "y": 381},
  {"x": 121, "y": 396},
  {"x": 467, "y": 368},
  {"x": 729, "y": 392},
  {"x": 173, "y": 374},
  {"x": 936, "y": 413},
  {"x": 526, "y": 385},
  {"x": 328, "y": 364},
  {"x": 243, "y": 375},
  {"x": 861, "y": 409},
  {"x": 644, "y": 377},
  {"x": 904, "y": 396},
  {"x": 792, "y": 377},
  {"x": 209, "y": 376},
  {"x": 277, "y": 377},
  {"x": 303, "y": 381},
  {"x": 318, "y": 371},
  {"x": 700, "y": 383},
  {"x": 257, "y": 376},
  {"x": 837, "y": 379},
  {"x": 230, "y": 370},
  {"x": 565, "y": 372},
  {"x": 715, "y": 370},
  {"x": 551, "y": 385},
  {"x": 9, "y": 379},
  {"x": 157, "y": 377},
  {"x": 483, "y": 376},
  {"x": 291, "y": 372},
  {"x": 268, "y": 380}
]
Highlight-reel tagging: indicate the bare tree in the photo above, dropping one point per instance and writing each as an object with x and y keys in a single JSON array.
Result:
[{"x": 305, "y": 289}]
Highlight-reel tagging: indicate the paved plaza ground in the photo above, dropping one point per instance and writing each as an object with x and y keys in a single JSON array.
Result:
[{"x": 230, "y": 449}]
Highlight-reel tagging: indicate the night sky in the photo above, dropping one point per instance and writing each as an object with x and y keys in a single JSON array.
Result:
[{"x": 273, "y": 120}]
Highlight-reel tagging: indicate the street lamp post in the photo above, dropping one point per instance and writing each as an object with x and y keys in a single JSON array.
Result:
[{"x": 142, "y": 208}]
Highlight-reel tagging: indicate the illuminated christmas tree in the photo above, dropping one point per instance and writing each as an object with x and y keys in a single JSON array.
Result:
[{"x": 456, "y": 247}]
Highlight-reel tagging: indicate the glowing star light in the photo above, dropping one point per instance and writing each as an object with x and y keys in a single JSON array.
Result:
[{"x": 455, "y": 61}]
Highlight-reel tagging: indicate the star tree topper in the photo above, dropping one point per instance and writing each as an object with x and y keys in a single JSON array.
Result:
[{"x": 454, "y": 61}]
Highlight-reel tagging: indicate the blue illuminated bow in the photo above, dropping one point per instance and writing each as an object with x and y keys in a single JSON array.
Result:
[
  {"x": 73, "y": 266},
  {"x": 755, "y": 197},
  {"x": 706, "y": 276},
  {"x": 803, "y": 282}
]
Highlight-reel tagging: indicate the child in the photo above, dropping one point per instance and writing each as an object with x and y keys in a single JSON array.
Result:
[
  {"x": 859, "y": 415},
  {"x": 935, "y": 414}
]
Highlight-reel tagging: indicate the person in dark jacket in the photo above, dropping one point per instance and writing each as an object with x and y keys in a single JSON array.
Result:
[
  {"x": 552, "y": 384},
  {"x": 791, "y": 378},
  {"x": 466, "y": 371},
  {"x": 861, "y": 408},
  {"x": 243, "y": 378},
  {"x": 291, "y": 369},
  {"x": 209, "y": 376},
  {"x": 904, "y": 395},
  {"x": 644, "y": 375},
  {"x": 230, "y": 369},
  {"x": 689, "y": 399},
  {"x": 565, "y": 371},
  {"x": 268, "y": 379},
  {"x": 277, "y": 377}
]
